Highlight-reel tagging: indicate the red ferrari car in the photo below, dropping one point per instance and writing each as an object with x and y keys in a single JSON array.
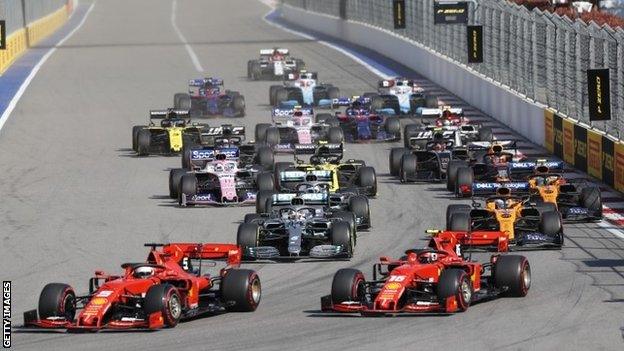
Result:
[
  {"x": 168, "y": 287},
  {"x": 434, "y": 279}
]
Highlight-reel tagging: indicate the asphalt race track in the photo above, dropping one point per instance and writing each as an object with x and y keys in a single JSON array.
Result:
[{"x": 76, "y": 199}]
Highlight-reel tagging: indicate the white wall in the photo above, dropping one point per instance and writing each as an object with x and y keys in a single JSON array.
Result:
[{"x": 519, "y": 114}]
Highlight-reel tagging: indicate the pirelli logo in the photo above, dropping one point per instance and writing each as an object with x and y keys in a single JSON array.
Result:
[
  {"x": 446, "y": 12},
  {"x": 475, "y": 44},
  {"x": 3, "y": 44},
  {"x": 599, "y": 94},
  {"x": 398, "y": 12}
]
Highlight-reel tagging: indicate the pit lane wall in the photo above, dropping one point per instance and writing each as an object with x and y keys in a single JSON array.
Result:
[
  {"x": 20, "y": 38},
  {"x": 518, "y": 113},
  {"x": 588, "y": 150}
]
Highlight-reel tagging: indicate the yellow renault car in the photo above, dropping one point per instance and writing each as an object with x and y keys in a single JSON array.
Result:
[{"x": 169, "y": 136}]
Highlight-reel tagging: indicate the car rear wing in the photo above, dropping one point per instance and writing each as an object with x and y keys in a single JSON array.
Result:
[
  {"x": 490, "y": 188},
  {"x": 269, "y": 52},
  {"x": 325, "y": 149},
  {"x": 486, "y": 145},
  {"x": 297, "y": 176},
  {"x": 209, "y": 251},
  {"x": 170, "y": 113},
  {"x": 301, "y": 75},
  {"x": 308, "y": 198},
  {"x": 224, "y": 130},
  {"x": 203, "y": 81},
  {"x": 531, "y": 166},
  {"x": 200, "y": 155},
  {"x": 289, "y": 111}
]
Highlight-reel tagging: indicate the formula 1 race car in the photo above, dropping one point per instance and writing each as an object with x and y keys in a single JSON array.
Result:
[
  {"x": 222, "y": 182},
  {"x": 402, "y": 95},
  {"x": 205, "y": 98},
  {"x": 317, "y": 194},
  {"x": 169, "y": 287},
  {"x": 303, "y": 89},
  {"x": 295, "y": 125},
  {"x": 297, "y": 231},
  {"x": 435, "y": 279},
  {"x": 175, "y": 131},
  {"x": 359, "y": 122},
  {"x": 273, "y": 64},
  {"x": 507, "y": 220},
  {"x": 325, "y": 166}
]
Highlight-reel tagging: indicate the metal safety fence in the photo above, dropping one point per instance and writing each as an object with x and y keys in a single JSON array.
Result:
[
  {"x": 13, "y": 11},
  {"x": 539, "y": 55}
]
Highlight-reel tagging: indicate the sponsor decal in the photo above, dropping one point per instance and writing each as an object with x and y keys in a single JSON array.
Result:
[
  {"x": 594, "y": 154},
  {"x": 3, "y": 38},
  {"x": 99, "y": 301},
  {"x": 398, "y": 13},
  {"x": 608, "y": 155},
  {"x": 393, "y": 286},
  {"x": 580, "y": 148},
  {"x": 549, "y": 132},
  {"x": 599, "y": 94},
  {"x": 6, "y": 313},
  {"x": 619, "y": 167},
  {"x": 558, "y": 136},
  {"x": 475, "y": 44},
  {"x": 568, "y": 141},
  {"x": 104, "y": 293},
  {"x": 450, "y": 13}
]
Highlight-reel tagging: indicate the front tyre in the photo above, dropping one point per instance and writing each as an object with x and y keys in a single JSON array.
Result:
[
  {"x": 347, "y": 285},
  {"x": 57, "y": 300},
  {"x": 166, "y": 299}
]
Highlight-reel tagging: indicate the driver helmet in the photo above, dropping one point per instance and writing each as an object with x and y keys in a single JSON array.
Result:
[
  {"x": 428, "y": 257},
  {"x": 500, "y": 204},
  {"x": 446, "y": 122},
  {"x": 143, "y": 272},
  {"x": 540, "y": 181}
]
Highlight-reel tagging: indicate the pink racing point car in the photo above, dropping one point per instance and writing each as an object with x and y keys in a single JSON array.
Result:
[{"x": 223, "y": 182}]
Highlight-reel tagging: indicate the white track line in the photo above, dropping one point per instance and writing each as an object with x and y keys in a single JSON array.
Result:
[
  {"x": 189, "y": 49},
  {"x": 31, "y": 76},
  {"x": 310, "y": 37}
]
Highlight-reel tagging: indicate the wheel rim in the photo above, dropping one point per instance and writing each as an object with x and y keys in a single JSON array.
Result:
[
  {"x": 175, "y": 306},
  {"x": 465, "y": 291},
  {"x": 526, "y": 277},
  {"x": 256, "y": 291},
  {"x": 69, "y": 306}
]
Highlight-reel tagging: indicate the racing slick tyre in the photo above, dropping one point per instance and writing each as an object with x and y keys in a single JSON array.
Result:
[
  {"x": 513, "y": 273},
  {"x": 166, "y": 299},
  {"x": 261, "y": 200},
  {"x": 451, "y": 173},
  {"x": 333, "y": 122},
  {"x": 278, "y": 169},
  {"x": 176, "y": 99},
  {"x": 485, "y": 134},
  {"x": 333, "y": 93},
  {"x": 247, "y": 235},
  {"x": 300, "y": 65},
  {"x": 335, "y": 135},
  {"x": 238, "y": 104},
  {"x": 545, "y": 206},
  {"x": 281, "y": 95},
  {"x": 591, "y": 199},
  {"x": 322, "y": 118},
  {"x": 463, "y": 182},
  {"x": 272, "y": 93},
  {"x": 409, "y": 131},
  {"x": 175, "y": 177},
  {"x": 57, "y": 300},
  {"x": 242, "y": 287},
  {"x": 260, "y": 132},
  {"x": 453, "y": 209},
  {"x": 348, "y": 217},
  {"x": 265, "y": 182},
  {"x": 409, "y": 163},
  {"x": 265, "y": 157},
  {"x": 393, "y": 126},
  {"x": 347, "y": 285},
  {"x": 377, "y": 103},
  {"x": 341, "y": 234},
  {"x": 431, "y": 102},
  {"x": 250, "y": 217},
  {"x": 272, "y": 136},
  {"x": 459, "y": 222},
  {"x": 396, "y": 154},
  {"x": 550, "y": 224},
  {"x": 135, "y": 136},
  {"x": 249, "y": 64},
  {"x": 184, "y": 102},
  {"x": 256, "y": 71},
  {"x": 188, "y": 186},
  {"x": 367, "y": 178},
  {"x": 144, "y": 139},
  {"x": 455, "y": 282},
  {"x": 359, "y": 206}
]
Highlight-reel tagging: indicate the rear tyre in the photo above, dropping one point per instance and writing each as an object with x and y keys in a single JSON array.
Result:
[
  {"x": 393, "y": 126},
  {"x": 460, "y": 222},
  {"x": 591, "y": 199},
  {"x": 463, "y": 182},
  {"x": 277, "y": 171},
  {"x": 408, "y": 167},
  {"x": 347, "y": 285},
  {"x": 166, "y": 299},
  {"x": 550, "y": 223},
  {"x": 265, "y": 157},
  {"x": 451, "y": 173},
  {"x": 396, "y": 154},
  {"x": 184, "y": 102},
  {"x": 323, "y": 117},
  {"x": 144, "y": 139},
  {"x": 272, "y": 136},
  {"x": 135, "y": 135},
  {"x": 57, "y": 300},
  {"x": 333, "y": 93},
  {"x": 238, "y": 104},
  {"x": 367, "y": 178},
  {"x": 260, "y": 132},
  {"x": 454, "y": 282},
  {"x": 335, "y": 135},
  {"x": 513, "y": 273},
  {"x": 377, "y": 103},
  {"x": 281, "y": 95},
  {"x": 453, "y": 209},
  {"x": 359, "y": 206},
  {"x": 272, "y": 93},
  {"x": 261, "y": 200},
  {"x": 256, "y": 71},
  {"x": 176, "y": 99},
  {"x": 409, "y": 131},
  {"x": 348, "y": 217},
  {"x": 485, "y": 134},
  {"x": 242, "y": 287},
  {"x": 341, "y": 234},
  {"x": 265, "y": 182},
  {"x": 247, "y": 234},
  {"x": 175, "y": 177},
  {"x": 431, "y": 102},
  {"x": 250, "y": 217}
]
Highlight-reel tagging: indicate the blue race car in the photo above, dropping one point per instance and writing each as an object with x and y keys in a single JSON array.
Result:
[
  {"x": 303, "y": 89},
  {"x": 205, "y": 98},
  {"x": 402, "y": 95},
  {"x": 360, "y": 122}
]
